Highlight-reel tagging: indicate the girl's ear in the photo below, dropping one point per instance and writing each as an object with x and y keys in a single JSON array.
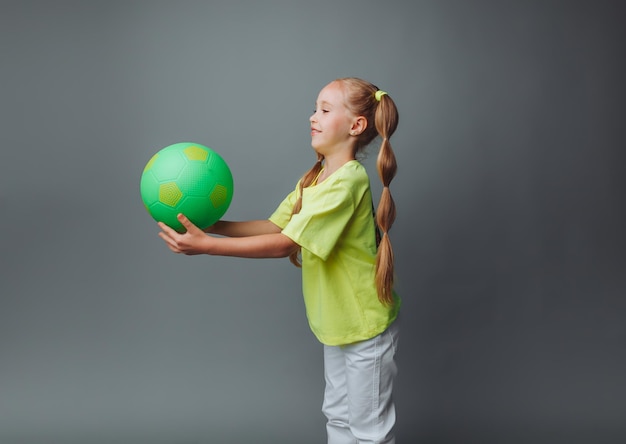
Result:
[{"x": 358, "y": 126}]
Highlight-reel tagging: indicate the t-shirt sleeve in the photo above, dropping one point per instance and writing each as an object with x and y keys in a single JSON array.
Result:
[
  {"x": 282, "y": 214},
  {"x": 324, "y": 216}
]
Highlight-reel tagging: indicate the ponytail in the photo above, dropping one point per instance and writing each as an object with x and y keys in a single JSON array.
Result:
[
  {"x": 386, "y": 122},
  {"x": 305, "y": 181}
]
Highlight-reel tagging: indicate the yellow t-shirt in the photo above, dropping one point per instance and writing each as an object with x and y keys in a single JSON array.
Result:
[{"x": 336, "y": 231}]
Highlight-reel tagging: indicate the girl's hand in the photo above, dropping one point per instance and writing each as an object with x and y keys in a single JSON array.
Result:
[{"x": 194, "y": 241}]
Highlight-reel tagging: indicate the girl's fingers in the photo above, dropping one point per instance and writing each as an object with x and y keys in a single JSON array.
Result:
[
  {"x": 189, "y": 226},
  {"x": 165, "y": 229}
]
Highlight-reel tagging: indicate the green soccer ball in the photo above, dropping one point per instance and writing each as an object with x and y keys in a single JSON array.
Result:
[{"x": 186, "y": 178}]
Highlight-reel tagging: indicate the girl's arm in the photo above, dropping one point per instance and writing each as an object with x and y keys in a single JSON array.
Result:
[
  {"x": 241, "y": 229},
  {"x": 195, "y": 241}
]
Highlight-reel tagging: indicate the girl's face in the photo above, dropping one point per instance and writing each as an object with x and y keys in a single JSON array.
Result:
[{"x": 331, "y": 123}]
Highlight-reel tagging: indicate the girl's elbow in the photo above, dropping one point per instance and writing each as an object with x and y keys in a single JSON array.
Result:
[{"x": 288, "y": 246}]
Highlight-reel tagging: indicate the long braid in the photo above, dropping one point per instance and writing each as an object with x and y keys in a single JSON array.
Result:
[
  {"x": 386, "y": 122},
  {"x": 306, "y": 181}
]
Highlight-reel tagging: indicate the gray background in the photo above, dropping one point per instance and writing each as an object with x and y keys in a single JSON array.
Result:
[{"x": 509, "y": 238}]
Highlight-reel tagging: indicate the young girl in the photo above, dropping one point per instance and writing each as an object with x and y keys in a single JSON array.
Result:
[{"x": 327, "y": 227}]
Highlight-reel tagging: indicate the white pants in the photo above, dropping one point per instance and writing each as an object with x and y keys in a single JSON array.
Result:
[{"x": 358, "y": 397}]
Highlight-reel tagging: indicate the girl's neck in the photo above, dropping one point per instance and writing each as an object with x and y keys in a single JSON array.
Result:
[{"x": 332, "y": 164}]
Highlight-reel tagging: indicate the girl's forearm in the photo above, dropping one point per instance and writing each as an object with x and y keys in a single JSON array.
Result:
[
  {"x": 243, "y": 229},
  {"x": 273, "y": 245}
]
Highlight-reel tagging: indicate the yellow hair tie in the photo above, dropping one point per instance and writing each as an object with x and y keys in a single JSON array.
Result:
[{"x": 379, "y": 94}]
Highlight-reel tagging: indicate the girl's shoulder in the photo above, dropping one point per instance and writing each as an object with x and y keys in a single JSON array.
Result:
[
  {"x": 352, "y": 169},
  {"x": 352, "y": 172}
]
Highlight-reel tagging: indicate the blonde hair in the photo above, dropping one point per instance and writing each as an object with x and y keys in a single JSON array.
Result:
[{"x": 361, "y": 101}]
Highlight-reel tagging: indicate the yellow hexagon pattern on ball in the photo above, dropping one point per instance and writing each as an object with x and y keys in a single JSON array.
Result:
[
  {"x": 170, "y": 194},
  {"x": 219, "y": 195},
  {"x": 194, "y": 152}
]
